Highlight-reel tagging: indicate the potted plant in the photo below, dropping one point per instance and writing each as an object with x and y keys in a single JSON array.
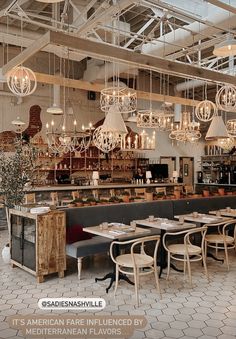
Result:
[
  {"x": 206, "y": 192},
  {"x": 221, "y": 191},
  {"x": 92, "y": 201},
  {"x": 78, "y": 202},
  {"x": 114, "y": 199},
  {"x": 160, "y": 195},
  {"x": 104, "y": 201},
  {"x": 17, "y": 171},
  {"x": 125, "y": 196}
]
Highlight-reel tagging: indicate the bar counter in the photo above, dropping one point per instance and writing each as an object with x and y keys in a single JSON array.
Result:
[{"x": 101, "y": 186}]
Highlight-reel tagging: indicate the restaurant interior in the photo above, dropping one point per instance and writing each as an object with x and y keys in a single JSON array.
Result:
[{"x": 118, "y": 169}]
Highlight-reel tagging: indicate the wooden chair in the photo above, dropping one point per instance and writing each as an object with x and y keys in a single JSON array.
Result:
[
  {"x": 188, "y": 189},
  {"x": 186, "y": 251},
  {"x": 160, "y": 190},
  {"x": 134, "y": 262},
  {"x": 30, "y": 198},
  {"x": 221, "y": 240},
  {"x": 75, "y": 194},
  {"x": 139, "y": 191}
]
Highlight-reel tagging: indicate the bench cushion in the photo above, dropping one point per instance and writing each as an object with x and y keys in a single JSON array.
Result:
[{"x": 88, "y": 247}]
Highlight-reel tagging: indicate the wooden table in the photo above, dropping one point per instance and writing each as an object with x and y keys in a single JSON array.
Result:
[
  {"x": 165, "y": 225},
  {"x": 117, "y": 231},
  {"x": 225, "y": 213},
  {"x": 201, "y": 218}
]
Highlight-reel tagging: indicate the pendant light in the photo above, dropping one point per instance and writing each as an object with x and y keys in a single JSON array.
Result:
[{"x": 217, "y": 129}]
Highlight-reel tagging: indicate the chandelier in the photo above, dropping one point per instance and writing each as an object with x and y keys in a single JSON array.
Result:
[
  {"x": 108, "y": 136},
  {"x": 226, "y": 143},
  {"x": 142, "y": 141},
  {"x": 67, "y": 138},
  {"x": 187, "y": 131},
  {"x": 104, "y": 140},
  {"x": 124, "y": 97},
  {"x": 205, "y": 110},
  {"x": 226, "y": 98},
  {"x": 231, "y": 127},
  {"x": 155, "y": 119},
  {"x": 21, "y": 81}
]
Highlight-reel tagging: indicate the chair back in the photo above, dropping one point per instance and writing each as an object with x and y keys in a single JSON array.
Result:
[
  {"x": 161, "y": 190},
  {"x": 75, "y": 194},
  {"x": 189, "y": 189},
  {"x": 140, "y": 245}
]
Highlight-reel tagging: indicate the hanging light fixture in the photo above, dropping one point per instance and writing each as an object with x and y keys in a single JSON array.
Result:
[
  {"x": 108, "y": 136},
  {"x": 226, "y": 143},
  {"x": 19, "y": 124},
  {"x": 217, "y": 129},
  {"x": 158, "y": 119},
  {"x": 21, "y": 81},
  {"x": 187, "y": 131},
  {"x": 226, "y": 98},
  {"x": 231, "y": 127},
  {"x": 124, "y": 97},
  {"x": 205, "y": 110},
  {"x": 226, "y": 48},
  {"x": 64, "y": 136},
  {"x": 55, "y": 108}
]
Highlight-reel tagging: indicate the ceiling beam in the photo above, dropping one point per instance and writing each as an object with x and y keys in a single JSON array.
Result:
[
  {"x": 88, "y": 86},
  {"x": 143, "y": 61},
  {"x": 27, "y": 53},
  {"x": 223, "y": 5}
]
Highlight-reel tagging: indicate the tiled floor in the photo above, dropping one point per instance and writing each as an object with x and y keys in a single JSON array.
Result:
[{"x": 206, "y": 311}]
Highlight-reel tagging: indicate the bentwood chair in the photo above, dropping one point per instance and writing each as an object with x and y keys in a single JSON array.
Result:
[
  {"x": 223, "y": 237},
  {"x": 186, "y": 251},
  {"x": 136, "y": 262}
]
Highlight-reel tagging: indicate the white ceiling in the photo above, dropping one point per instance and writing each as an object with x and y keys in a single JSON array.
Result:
[{"x": 180, "y": 30}]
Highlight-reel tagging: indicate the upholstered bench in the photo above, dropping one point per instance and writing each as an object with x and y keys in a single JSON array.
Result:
[{"x": 84, "y": 248}]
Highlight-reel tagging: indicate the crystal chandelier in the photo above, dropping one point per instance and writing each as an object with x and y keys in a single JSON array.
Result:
[
  {"x": 187, "y": 131},
  {"x": 231, "y": 127},
  {"x": 21, "y": 81},
  {"x": 226, "y": 98},
  {"x": 226, "y": 143},
  {"x": 155, "y": 119}
]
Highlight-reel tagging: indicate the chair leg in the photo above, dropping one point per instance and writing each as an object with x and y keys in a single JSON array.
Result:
[
  {"x": 117, "y": 279},
  {"x": 189, "y": 271},
  {"x": 157, "y": 280},
  {"x": 136, "y": 286},
  {"x": 79, "y": 265},
  {"x": 205, "y": 265},
  {"x": 184, "y": 266},
  {"x": 168, "y": 266},
  {"x": 226, "y": 255}
]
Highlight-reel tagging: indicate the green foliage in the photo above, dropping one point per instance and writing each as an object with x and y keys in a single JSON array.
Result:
[{"x": 16, "y": 170}]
